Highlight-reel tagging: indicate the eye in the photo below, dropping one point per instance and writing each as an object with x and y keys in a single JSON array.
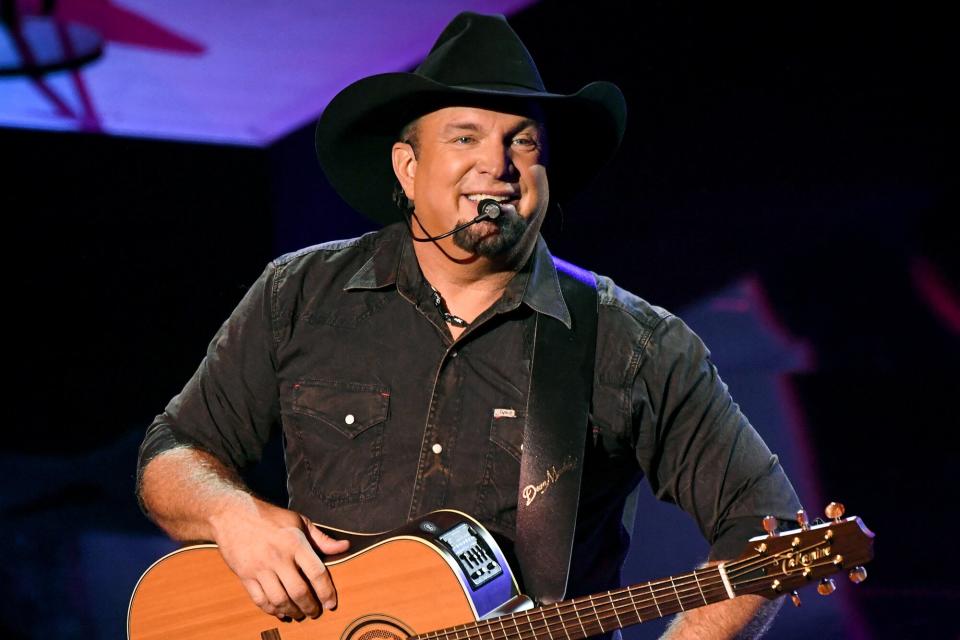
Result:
[
  {"x": 526, "y": 142},
  {"x": 463, "y": 140}
]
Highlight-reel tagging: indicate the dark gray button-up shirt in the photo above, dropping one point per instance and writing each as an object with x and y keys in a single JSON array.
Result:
[{"x": 385, "y": 417}]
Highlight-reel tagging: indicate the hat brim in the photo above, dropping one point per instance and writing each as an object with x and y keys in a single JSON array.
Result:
[{"x": 360, "y": 125}]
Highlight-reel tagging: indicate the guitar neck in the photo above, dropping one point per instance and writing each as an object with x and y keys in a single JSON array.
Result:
[{"x": 599, "y": 613}]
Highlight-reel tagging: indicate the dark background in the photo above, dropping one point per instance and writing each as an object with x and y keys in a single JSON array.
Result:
[{"x": 800, "y": 145}]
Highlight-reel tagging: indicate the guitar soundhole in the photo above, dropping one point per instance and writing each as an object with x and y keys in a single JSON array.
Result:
[
  {"x": 376, "y": 627},
  {"x": 379, "y": 634}
]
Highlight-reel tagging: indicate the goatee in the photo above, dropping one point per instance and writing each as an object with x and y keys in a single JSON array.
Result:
[{"x": 510, "y": 229}]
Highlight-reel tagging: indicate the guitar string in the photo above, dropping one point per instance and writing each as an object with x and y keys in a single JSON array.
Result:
[
  {"x": 558, "y": 614},
  {"x": 587, "y": 626},
  {"x": 538, "y": 631},
  {"x": 713, "y": 587},
  {"x": 696, "y": 589}
]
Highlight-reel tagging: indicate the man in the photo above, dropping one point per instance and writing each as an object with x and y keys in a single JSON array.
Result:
[{"x": 399, "y": 364}]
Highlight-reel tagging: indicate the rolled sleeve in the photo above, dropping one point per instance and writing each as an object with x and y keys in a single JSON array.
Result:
[
  {"x": 231, "y": 402},
  {"x": 697, "y": 448}
]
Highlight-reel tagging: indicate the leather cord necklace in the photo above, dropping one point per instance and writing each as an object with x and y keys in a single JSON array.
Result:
[{"x": 441, "y": 305}]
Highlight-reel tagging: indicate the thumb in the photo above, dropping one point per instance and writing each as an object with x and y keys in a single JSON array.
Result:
[{"x": 325, "y": 543}]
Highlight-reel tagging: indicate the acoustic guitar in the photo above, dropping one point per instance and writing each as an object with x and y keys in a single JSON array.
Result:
[{"x": 443, "y": 577}]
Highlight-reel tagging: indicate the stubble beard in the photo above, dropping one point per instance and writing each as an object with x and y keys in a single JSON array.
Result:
[{"x": 510, "y": 229}]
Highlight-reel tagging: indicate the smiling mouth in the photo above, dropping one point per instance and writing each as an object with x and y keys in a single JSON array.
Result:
[{"x": 477, "y": 197}]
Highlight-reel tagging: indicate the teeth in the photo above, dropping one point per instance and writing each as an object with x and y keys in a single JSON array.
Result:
[{"x": 477, "y": 197}]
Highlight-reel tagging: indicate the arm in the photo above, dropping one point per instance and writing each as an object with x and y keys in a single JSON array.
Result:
[
  {"x": 218, "y": 423},
  {"x": 193, "y": 496},
  {"x": 744, "y": 617},
  {"x": 700, "y": 452}
]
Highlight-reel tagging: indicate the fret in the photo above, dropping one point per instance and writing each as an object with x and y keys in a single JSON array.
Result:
[
  {"x": 530, "y": 624},
  {"x": 699, "y": 588},
  {"x": 679, "y": 601},
  {"x": 500, "y": 620},
  {"x": 593, "y": 608},
  {"x": 650, "y": 586},
  {"x": 615, "y": 614},
  {"x": 546, "y": 622},
  {"x": 633, "y": 601},
  {"x": 513, "y": 618},
  {"x": 579, "y": 621},
  {"x": 563, "y": 622}
]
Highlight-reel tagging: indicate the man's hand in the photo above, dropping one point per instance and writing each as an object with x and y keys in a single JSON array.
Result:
[
  {"x": 276, "y": 555},
  {"x": 275, "y": 552}
]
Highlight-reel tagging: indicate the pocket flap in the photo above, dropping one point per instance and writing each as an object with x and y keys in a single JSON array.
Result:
[{"x": 349, "y": 407}]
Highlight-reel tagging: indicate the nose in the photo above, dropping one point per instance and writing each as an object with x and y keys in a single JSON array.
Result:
[{"x": 495, "y": 159}]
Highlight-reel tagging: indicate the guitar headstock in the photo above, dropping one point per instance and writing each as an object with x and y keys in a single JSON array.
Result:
[{"x": 779, "y": 563}]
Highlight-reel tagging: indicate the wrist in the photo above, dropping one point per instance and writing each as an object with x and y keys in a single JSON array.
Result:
[{"x": 234, "y": 508}]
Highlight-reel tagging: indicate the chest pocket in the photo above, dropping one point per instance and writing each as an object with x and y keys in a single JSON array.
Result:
[
  {"x": 340, "y": 426},
  {"x": 497, "y": 493}
]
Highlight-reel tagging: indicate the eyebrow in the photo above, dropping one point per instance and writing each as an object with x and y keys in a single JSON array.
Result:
[
  {"x": 472, "y": 126},
  {"x": 461, "y": 126}
]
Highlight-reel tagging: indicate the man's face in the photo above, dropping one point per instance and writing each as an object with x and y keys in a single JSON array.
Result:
[{"x": 465, "y": 154}]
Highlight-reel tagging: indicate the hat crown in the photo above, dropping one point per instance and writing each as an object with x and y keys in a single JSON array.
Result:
[{"x": 481, "y": 51}]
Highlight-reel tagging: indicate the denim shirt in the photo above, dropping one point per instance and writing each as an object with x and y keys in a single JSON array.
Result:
[{"x": 386, "y": 417}]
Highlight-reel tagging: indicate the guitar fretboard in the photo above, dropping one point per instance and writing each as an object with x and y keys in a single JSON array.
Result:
[{"x": 599, "y": 613}]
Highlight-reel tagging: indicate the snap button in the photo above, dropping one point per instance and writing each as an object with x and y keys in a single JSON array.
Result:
[
  {"x": 437, "y": 448},
  {"x": 349, "y": 419}
]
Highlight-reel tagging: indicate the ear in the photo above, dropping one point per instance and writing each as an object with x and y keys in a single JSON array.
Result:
[{"x": 404, "y": 167}]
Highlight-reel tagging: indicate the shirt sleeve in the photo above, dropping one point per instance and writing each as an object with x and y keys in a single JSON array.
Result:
[
  {"x": 231, "y": 403},
  {"x": 697, "y": 448}
]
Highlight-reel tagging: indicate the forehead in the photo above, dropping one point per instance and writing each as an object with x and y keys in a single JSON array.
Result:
[{"x": 477, "y": 118}]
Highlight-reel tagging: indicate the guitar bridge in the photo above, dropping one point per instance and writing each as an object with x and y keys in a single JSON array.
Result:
[{"x": 476, "y": 559}]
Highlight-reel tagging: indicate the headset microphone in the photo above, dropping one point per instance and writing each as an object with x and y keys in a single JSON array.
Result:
[{"x": 487, "y": 209}]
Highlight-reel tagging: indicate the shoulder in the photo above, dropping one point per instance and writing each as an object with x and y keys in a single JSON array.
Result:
[
  {"x": 302, "y": 281},
  {"x": 328, "y": 252},
  {"x": 627, "y": 312},
  {"x": 335, "y": 261},
  {"x": 632, "y": 331}
]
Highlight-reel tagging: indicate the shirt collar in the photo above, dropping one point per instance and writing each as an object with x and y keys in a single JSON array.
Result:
[{"x": 394, "y": 262}]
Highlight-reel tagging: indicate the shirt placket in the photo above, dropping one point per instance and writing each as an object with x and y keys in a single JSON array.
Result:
[{"x": 440, "y": 437}]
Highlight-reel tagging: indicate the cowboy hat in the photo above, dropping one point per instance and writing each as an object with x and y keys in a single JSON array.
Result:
[{"x": 479, "y": 61}]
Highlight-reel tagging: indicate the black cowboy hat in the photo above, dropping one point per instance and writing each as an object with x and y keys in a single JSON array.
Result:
[{"x": 479, "y": 61}]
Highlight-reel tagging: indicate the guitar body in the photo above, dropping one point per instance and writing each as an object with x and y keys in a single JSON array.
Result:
[{"x": 389, "y": 586}]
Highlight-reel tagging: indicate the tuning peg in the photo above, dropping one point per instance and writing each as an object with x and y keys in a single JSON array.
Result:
[
  {"x": 802, "y": 520},
  {"x": 770, "y": 526},
  {"x": 835, "y": 510},
  {"x": 795, "y": 598},
  {"x": 826, "y": 587},
  {"x": 857, "y": 575}
]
